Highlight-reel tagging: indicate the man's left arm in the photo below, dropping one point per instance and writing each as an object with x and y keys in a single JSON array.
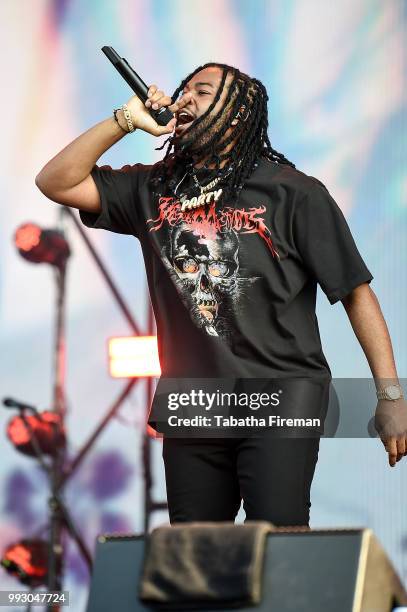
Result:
[{"x": 369, "y": 325}]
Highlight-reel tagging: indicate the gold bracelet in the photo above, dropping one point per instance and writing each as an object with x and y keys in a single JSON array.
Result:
[
  {"x": 127, "y": 116},
  {"x": 117, "y": 121}
]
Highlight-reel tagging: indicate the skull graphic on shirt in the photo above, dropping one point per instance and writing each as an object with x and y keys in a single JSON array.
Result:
[{"x": 207, "y": 267}]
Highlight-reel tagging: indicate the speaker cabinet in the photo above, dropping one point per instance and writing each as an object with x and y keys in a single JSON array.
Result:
[{"x": 340, "y": 570}]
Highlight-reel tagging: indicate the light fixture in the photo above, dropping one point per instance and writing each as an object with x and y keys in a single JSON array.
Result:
[
  {"x": 45, "y": 426},
  {"x": 27, "y": 561},
  {"x": 134, "y": 356},
  {"x": 41, "y": 245}
]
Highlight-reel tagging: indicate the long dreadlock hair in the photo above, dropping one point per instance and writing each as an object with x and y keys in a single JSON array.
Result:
[{"x": 251, "y": 136}]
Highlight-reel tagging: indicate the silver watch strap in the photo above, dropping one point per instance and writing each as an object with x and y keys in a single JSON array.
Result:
[{"x": 382, "y": 393}]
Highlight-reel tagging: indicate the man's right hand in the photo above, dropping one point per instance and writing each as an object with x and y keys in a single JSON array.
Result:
[
  {"x": 140, "y": 114},
  {"x": 66, "y": 178}
]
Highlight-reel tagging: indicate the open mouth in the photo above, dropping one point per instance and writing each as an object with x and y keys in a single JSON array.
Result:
[
  {"x": 208, "y": 308},
  {"x": 184, "y": 120}
]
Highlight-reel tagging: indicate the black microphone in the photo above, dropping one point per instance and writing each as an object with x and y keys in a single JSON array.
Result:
[
  {"x": 9, "y": 402},
  {"x": 162, "y": 116}
]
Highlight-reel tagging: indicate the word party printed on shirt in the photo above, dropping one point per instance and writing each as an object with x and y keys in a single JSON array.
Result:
[{"x": 201, "y": 254}]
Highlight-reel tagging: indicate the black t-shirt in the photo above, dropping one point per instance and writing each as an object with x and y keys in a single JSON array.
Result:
[{"x": 233, "y": 287}]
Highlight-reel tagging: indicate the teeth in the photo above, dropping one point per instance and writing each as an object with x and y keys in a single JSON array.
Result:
[
  {"x": 206, "y": 302},
  {"x": 183, "y": 115}
]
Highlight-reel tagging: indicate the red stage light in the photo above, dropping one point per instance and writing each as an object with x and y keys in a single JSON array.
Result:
[
  {"x": 27, "y": 236},
  {"x": 40, "y": 245},
  {"x": 27, "y": 561},
  {"x": 134, "y": 356},
  {"x": 46, "y": 427}
]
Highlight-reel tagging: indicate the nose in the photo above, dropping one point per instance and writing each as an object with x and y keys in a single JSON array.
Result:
[
  {"x": 191, "y": 104},
  {"x": 204, "y": 283}
]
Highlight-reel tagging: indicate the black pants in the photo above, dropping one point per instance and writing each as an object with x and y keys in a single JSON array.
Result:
[{"x": 207, "y": 478}]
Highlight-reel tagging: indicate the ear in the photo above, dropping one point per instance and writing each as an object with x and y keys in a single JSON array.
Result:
[{"x": 237, "y": 117}]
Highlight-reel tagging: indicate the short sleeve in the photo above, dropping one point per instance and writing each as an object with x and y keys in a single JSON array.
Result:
[
  {"x": 118, "y": 190},
  {"x": 325, "y": 244}
]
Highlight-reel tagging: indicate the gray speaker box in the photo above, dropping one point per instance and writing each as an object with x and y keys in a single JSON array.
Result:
[{"x": 335, "y": 570}]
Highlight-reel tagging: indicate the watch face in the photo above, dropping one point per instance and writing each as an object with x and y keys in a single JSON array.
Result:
[{"x": 393, "y": 392}]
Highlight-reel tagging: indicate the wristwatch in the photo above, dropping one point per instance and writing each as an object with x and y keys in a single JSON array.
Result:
[{"x": 392, "y": 392}]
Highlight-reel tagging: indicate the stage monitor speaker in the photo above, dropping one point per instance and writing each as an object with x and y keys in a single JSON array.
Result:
[{"x": 340, "y": 570}]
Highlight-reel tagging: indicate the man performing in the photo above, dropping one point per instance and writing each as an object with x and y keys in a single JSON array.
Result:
[{"x": 235, "y": 240}]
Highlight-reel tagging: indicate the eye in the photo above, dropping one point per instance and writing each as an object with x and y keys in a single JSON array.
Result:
[
  {"x": 218, "y": 268},
  {"x": 187, "y": 265},
  {"x": 203, "y": 93}
]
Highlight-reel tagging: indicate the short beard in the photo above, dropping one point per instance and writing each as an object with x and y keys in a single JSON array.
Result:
[{"x": 199, "y": 136}]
